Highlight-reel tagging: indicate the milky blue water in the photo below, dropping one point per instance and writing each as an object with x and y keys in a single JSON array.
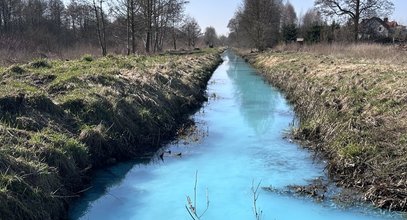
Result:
[{"x": 243, "y": 126}]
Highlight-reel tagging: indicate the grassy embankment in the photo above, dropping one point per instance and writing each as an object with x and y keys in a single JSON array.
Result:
[
  {"x": 352, "y": 105},
  {"x": 61, "y": 119}
]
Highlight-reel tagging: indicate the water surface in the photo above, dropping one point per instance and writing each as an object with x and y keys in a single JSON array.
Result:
[{"x": 243, "y": 125}]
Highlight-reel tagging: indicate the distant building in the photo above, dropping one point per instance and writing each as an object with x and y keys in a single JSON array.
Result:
[
  {"x": 300, "y": 40},
  {"x": 376, "y": 29}
]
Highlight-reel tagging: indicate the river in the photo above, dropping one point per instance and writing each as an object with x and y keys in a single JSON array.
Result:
[{"x": 238, "y": 144}]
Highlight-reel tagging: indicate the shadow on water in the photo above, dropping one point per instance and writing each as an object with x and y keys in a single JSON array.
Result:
[{"x": 102, "y": 181}]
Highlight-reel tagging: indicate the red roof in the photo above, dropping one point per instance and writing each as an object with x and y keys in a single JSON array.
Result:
[{"x": 392, "y": 24}]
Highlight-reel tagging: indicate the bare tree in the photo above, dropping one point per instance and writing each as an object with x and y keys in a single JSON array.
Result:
[
  {"x": 56, "y": 9},
  {"x": 191, "y": 31},
  {"x": 147, "y": 7},
  {"x": 311, "y": 18},
  {"x": 210, "y": 36},
  {"x": 260, "y": 19},
  {"x": 34, "y": 12},
  {"x": 288, "y": 15},
  {"x": 234, "y": 27},
  {"x": 101, "y": 25},
  {"x": 355, "y": 9},
  {"x": 131, "y": 9},
  {"x": 176, "y": 14},
  {"x": 289, "y": 28},
  {"x": 311, "y": 25},
  {"x": 126, "y": 12},
  {"x": 223, "y": 40},
  {"x": 49, "y": 25}
]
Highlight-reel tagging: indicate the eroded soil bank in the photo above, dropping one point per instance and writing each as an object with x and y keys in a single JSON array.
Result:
[
  {"x": 354, "y": 112},
  {"x": 61, "y": 119}
]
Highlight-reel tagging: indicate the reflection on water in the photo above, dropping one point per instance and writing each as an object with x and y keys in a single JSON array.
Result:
[
  {"x": 244, "y": 143},
  {"x": 256, "y": 103}
]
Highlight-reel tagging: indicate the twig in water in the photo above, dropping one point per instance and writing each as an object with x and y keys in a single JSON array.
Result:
[
  {"x": 196, "y": 182},
  {"x": 191, "y": 206},
  {"x": 255, "y": 190}
]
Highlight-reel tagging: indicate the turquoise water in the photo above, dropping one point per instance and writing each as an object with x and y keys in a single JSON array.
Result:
[{"x": 242, "y": 128}]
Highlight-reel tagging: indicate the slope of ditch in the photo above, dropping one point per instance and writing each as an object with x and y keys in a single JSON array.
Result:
[
  {"x": 354, "y": 112},
  {"x": 61, "y": 119}
]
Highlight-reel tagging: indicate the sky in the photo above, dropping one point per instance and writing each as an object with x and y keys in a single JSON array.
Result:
[{"x": 217, "y": 13}]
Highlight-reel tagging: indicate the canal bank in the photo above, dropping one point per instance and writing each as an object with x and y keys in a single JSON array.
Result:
[
  {"x": 241, "y": 144},
  {"x": 353, "y": 111},
  {"x": 61, "y": 120}
]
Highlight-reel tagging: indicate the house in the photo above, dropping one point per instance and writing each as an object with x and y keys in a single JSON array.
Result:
[{"x": 376, "y": 29}]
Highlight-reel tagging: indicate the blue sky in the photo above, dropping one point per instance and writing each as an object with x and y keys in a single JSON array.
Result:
[{"x": 217, "y": 13}]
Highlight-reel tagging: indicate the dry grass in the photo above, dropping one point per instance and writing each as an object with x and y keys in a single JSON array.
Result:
[
  {"x": 353, "y": 110},
  {"x": 386, "y": 54},
  {"x": 12, "y": 56},
  {"x": 19, "y": 54}
]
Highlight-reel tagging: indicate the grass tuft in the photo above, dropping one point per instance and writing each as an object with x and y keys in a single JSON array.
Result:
[
  {"x": 40, "y": 63},
  {"x": 87, "y": 58},
  {"x": 17, "y": 69}
]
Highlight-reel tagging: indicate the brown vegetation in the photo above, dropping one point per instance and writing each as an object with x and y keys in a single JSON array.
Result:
[
  {"x": 50, "y": 27},
  {"x": 352, "y": 105},
  {"x": 61, "y": 119},
  {"x": 385, "y": 54}
]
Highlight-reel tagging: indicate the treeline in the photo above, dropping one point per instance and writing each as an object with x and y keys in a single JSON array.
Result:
[
  {"x": 120, "y": 26},
  {"x": 262, "y": 24}
]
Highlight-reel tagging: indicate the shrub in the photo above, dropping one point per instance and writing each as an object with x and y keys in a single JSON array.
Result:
[
  {"x": 87, "y": 58},
  {"x": 41, "y": 63},
  {"x": 17, "y": 69}
]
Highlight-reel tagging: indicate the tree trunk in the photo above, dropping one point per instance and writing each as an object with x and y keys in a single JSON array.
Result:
[
  {"x": 104, "y": 52},
  {"x": 174, "y": 35},
  {"x": 149, "y": 25},
  {"x": 174, "y": 38},
  {"x": 133, "y": 29},
  {"x": 99, "y": 29},
  {"x": 356, "y": 21},
  {"x": 157, "y": 27},
  {"x": 73, "y": 26},
  {"x": 128, "y": 26}
]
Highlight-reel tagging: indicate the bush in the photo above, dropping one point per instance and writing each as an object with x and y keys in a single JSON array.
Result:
[
  {"x": 41, "y": 63},
  {"x": 17, "y": 69},
  {"x": 87, "y": 58}
]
